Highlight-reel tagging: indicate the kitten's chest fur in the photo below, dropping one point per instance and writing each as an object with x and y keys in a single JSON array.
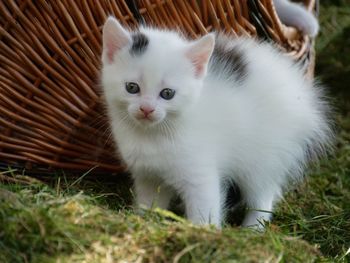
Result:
[{"x": 147, "y": 152}]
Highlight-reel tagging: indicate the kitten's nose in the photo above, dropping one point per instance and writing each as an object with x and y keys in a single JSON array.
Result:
[{"x": 146, "y": 110}]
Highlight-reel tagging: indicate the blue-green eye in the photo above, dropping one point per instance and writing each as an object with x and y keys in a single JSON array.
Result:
[
  {"x": 167, "y": 94},
  {"x": 132, "y": 87}
]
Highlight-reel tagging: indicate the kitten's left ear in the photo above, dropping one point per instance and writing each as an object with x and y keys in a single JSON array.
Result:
[
  {"x": 115, "y": 37},
  {"x": 199, "y": 54}
]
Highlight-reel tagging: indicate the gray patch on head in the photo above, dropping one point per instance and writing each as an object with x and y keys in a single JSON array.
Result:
[
  {"x": 139, "y": 44},
  {"x": 228, "y": 60}
]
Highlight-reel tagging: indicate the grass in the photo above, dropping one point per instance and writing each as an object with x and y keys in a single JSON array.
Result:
[
  {"x": 46, "y": 225},
  {"x": 89, "y": 220}
]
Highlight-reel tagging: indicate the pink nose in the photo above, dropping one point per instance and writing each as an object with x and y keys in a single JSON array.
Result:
[{"x": 146, "y": 110}]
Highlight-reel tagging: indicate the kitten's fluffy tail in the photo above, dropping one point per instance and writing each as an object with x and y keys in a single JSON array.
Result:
[
  {"x": 323, "y": 139},
  {"x": 293, "y": 14}
]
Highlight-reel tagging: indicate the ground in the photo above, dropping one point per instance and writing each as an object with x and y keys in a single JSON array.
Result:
[{"x": 84, "y": 220}]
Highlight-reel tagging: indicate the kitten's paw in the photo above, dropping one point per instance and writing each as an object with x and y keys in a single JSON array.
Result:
[
  {"x": 296, "y": 15},
  {"x": 257, "y": 225},
  {"x": 257, "y": 219},
  {"x": 306, "y": 22},
  {"x": 309, "y": 25}
]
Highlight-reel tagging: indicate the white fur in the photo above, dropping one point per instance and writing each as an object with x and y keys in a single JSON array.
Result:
[
  {"x": 293, "y": 14},
  {"x": 257, "y": 132}
]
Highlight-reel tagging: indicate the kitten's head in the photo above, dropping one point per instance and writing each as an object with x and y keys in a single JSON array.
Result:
[{"x": 150, "y": 75}]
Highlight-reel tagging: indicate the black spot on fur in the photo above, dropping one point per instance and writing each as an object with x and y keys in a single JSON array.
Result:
[
  {"x": 139, "y": 44},
  {"x": 229, "y": 60}
]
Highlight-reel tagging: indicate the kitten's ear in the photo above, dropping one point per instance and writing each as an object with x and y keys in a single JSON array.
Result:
[
  {"x": 199, "y": 54},
  {"x": 115, "y": 37}
]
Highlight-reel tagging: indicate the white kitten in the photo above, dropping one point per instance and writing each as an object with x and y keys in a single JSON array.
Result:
[
  {"x": 190, "y": 116},
  {"x": 293, "y": 14}
]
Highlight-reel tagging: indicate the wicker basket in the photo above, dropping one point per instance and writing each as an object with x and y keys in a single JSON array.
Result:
[{"x": 51, "y": 115}]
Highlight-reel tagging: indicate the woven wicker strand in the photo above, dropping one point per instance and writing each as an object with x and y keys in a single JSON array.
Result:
[{"x": 51, "y": 110}]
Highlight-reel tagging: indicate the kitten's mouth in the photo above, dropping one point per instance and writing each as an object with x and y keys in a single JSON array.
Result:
[{"x": 146, "y": 120}]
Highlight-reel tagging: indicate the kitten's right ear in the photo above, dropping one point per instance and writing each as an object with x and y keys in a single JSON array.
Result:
[
  {"x": 199, "y": 54},
  {"x": 115, "y": 37}
]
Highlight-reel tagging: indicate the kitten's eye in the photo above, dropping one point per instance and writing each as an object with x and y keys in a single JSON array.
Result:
[
  {"x": 132, "y": 87},
  {"x": 167, "y": 94}
]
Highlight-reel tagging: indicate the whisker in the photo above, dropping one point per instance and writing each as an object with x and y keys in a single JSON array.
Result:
[{"x": 108, "y": 138}]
